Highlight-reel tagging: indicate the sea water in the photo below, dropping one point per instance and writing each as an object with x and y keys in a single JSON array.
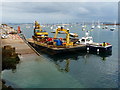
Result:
[{"x": 79, "y": 70}]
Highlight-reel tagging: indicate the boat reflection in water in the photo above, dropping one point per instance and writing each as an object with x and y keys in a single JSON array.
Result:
[
  {"x": 62, "y": 61},
  {"x": 66, "y": 59}
]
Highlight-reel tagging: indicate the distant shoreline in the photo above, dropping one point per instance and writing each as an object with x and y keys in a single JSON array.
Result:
[{"x": 111, "y": 24}]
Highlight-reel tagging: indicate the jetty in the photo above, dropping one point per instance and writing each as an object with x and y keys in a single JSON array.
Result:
[
  {"x": 21, "y": 47},
  {"x": 13, "y": 40},
  {"x": 10, "y": 39}
]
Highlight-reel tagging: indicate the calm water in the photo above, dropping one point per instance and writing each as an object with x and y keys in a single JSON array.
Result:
[{"x": 79, "y": 70}]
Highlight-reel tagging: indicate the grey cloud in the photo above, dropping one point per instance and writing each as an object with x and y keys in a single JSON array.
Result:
[{"x": 65, "y": 10}]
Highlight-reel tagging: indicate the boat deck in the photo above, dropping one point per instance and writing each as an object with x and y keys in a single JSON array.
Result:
[
  {"x": 56, "y": 47},
  {"x": 51, "y": 49}
]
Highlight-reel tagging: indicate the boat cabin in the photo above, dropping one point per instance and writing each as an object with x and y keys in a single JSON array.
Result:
[{"x": 86, "y": 40}]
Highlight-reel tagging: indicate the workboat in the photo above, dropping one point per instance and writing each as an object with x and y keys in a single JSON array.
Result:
[
  {"x": 92, "y": 46},
  {"x": 54, "y": 45}
]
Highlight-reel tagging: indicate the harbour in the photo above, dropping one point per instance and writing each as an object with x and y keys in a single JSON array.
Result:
[
  {"x": 60, "y": 45},
  {"x": 59, "y": 65},
  {"x": 71, "y": 45}
]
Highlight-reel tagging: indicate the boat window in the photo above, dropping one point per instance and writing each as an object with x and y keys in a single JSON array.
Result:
[
  {"x": 83, "y": 40},
  {"x": 88, "y": 39},
  {"x": 37, "y": 30}
]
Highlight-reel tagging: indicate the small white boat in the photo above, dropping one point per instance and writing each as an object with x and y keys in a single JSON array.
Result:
[
  {"x": 27, "y": 26},
  {"x": 51, "y": 27},
  {"x": 83, "y": 29},
  {"x": 98, "y": 26},
  {"x": 92, "y": 27},
  {"x": 4, "y": 36},
  {"x": 83, "y": 25},
  {"x": 106, "y": 27},
  {"x": 112, "y": 29}
]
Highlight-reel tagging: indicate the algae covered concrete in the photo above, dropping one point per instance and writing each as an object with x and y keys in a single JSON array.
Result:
[
  {"x": 24, "y": 52},
  {"x": 21, "y": 47}
]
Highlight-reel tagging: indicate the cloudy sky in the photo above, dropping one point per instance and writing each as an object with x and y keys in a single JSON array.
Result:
[{"x": 58, "y": 12}]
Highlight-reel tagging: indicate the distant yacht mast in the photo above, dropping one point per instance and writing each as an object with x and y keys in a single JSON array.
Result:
[
  {"x": 93, "y": 26},
  {"x": 83, "y": 26},
  {"x": 98, "y": 24},
  {"x": 114, "y": 27},
  {"x": 114, "y": 23}
]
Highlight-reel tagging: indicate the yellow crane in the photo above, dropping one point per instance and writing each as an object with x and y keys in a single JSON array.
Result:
[
  {"x": 68, "y": 43},
  {"x": 66, "y": 68},
  {"x": 38, "y": 31}
]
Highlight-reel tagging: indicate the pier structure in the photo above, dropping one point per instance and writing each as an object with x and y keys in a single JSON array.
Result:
[
  {"x": 14, "y": 40},
  {"x": 24, "y": 51}
]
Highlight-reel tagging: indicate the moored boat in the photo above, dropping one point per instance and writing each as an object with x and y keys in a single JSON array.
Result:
[
  {"x": 55, "y": 45},
  {"x": 112, "y": 29},
  {"x": 93, "y": 46}
]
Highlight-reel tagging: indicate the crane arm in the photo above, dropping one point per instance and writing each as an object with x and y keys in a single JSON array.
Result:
[
  {"x": 67, "y": 35},
  {"x": 37, "y": 26}
]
